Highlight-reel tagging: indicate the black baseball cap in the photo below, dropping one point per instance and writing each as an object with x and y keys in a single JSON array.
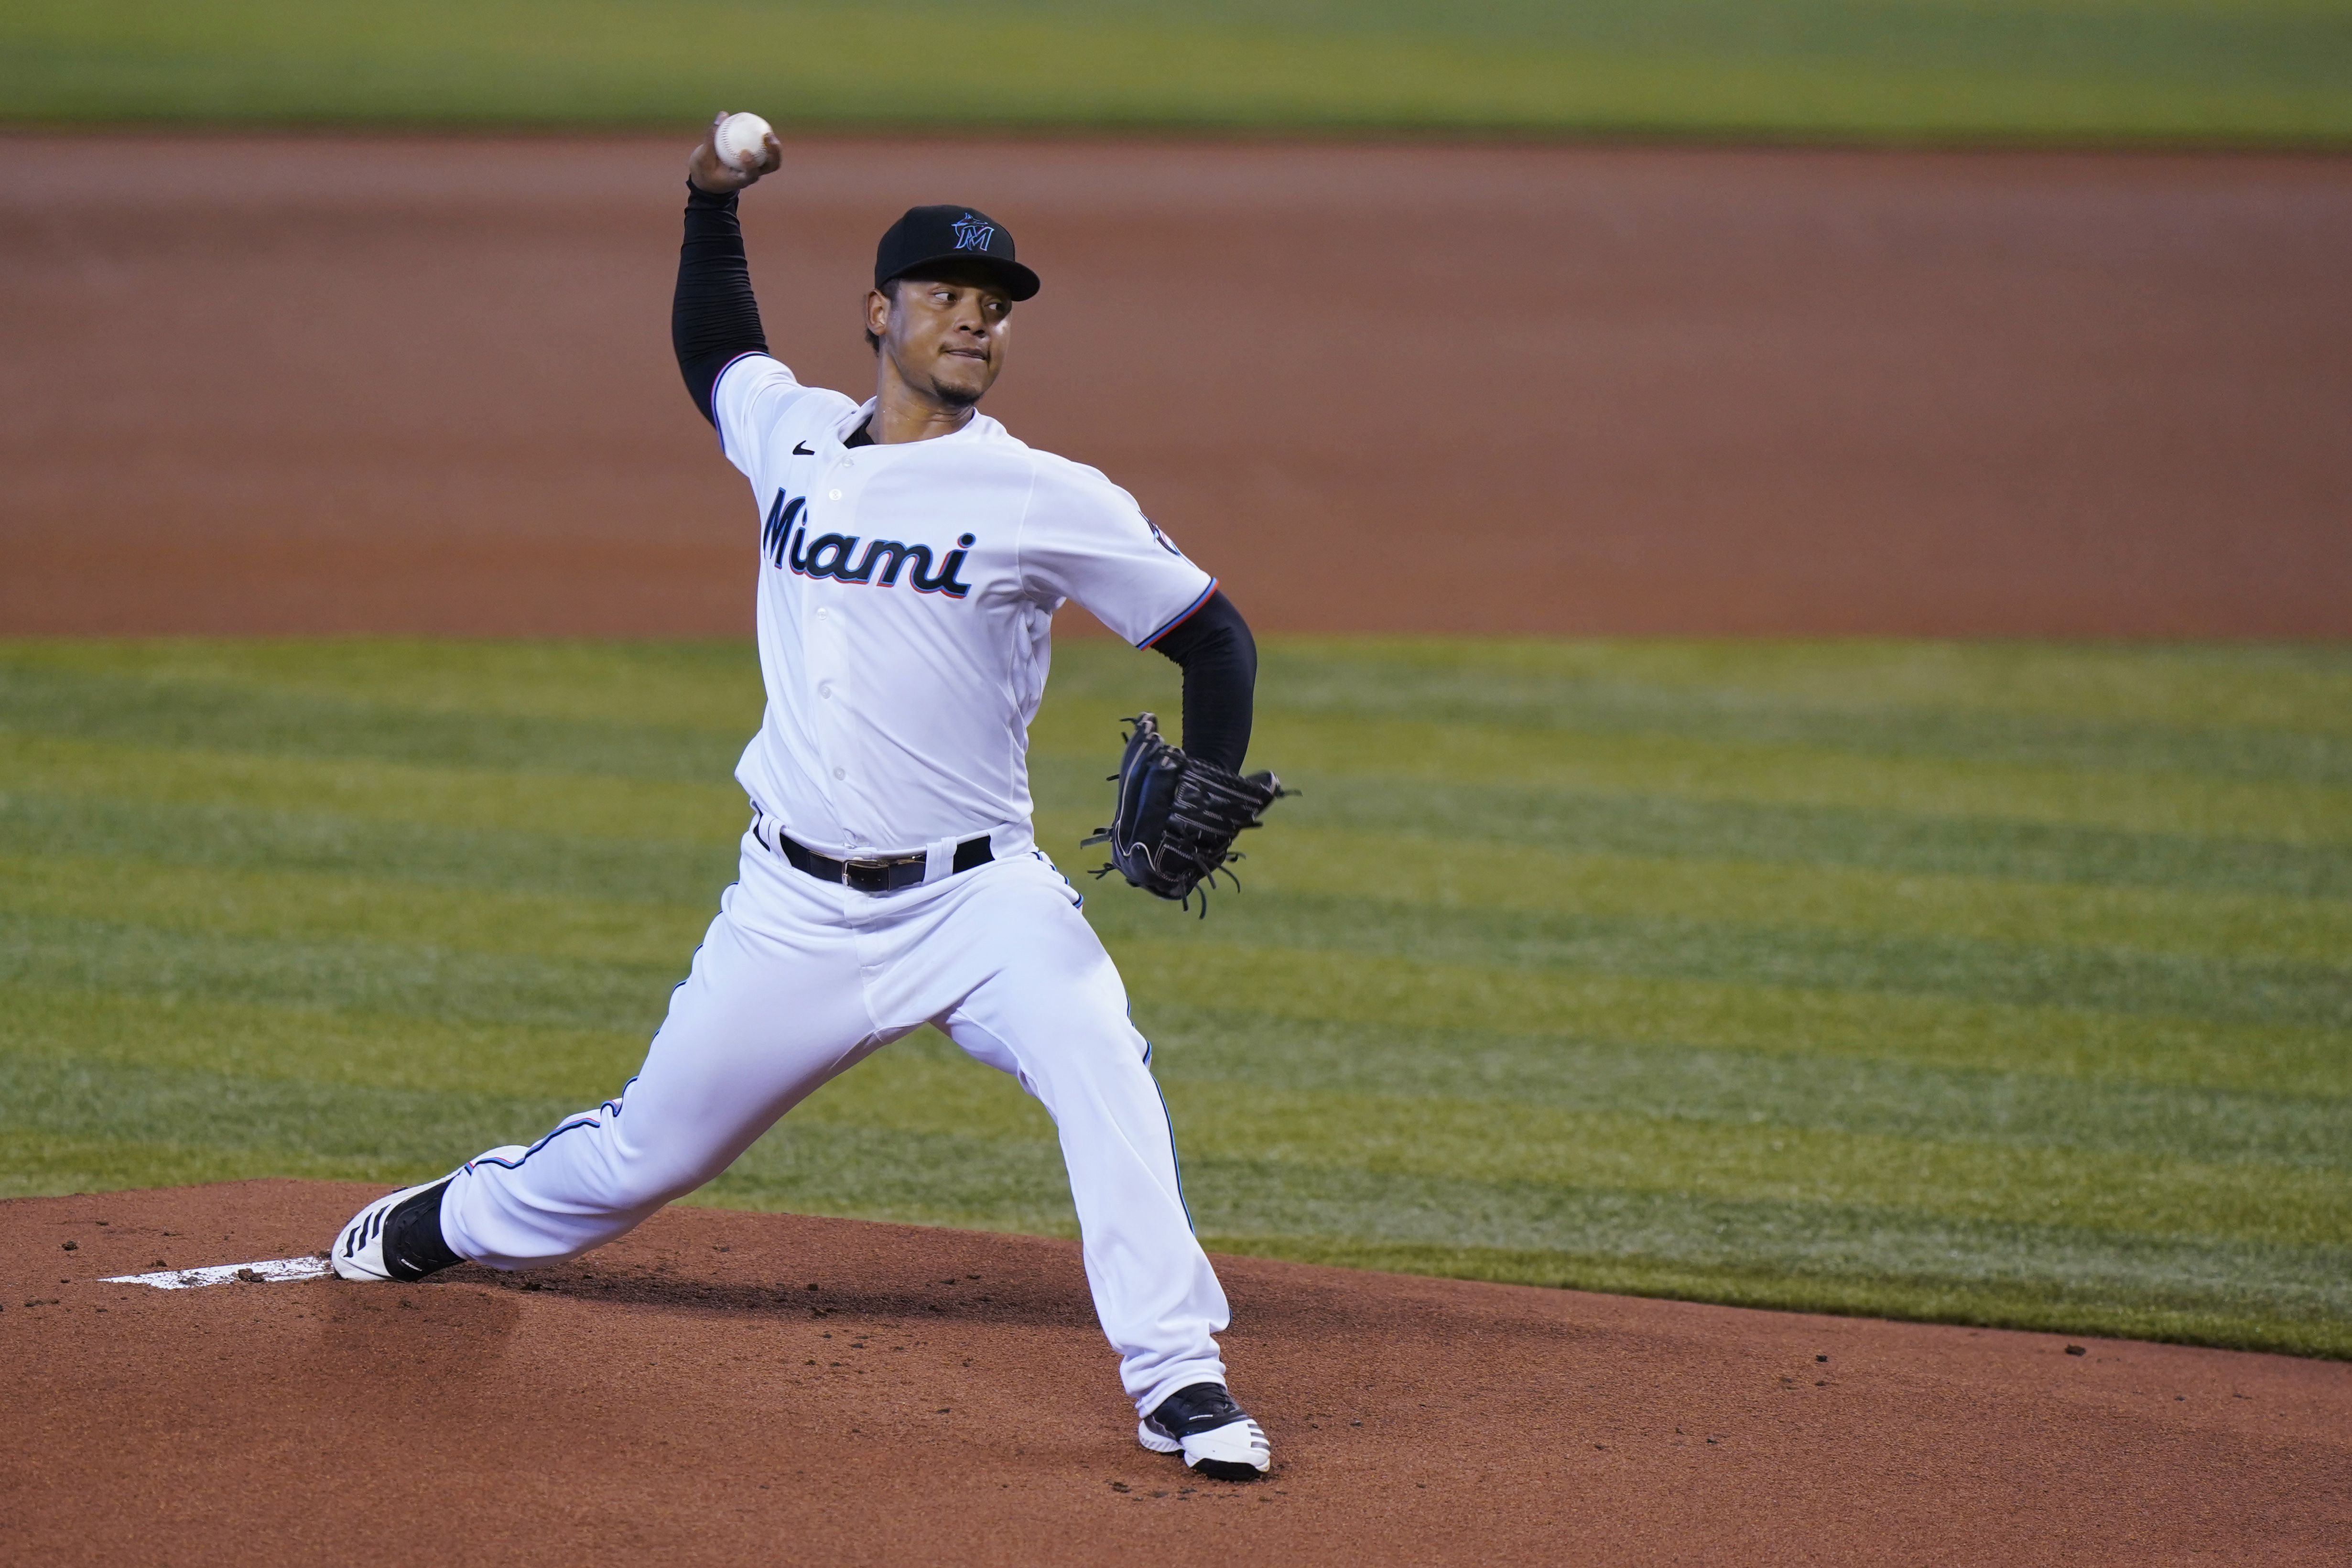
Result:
[{"x": 965, "y": 235}]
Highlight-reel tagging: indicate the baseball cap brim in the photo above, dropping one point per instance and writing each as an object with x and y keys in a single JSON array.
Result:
[{"x": 1019, "y": 282}]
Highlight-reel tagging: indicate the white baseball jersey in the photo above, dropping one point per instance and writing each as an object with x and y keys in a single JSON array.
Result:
[{"x": 906, "y": 601}]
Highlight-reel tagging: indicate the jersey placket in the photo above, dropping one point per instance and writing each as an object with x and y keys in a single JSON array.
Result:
[{"x": 830, "y": 642}]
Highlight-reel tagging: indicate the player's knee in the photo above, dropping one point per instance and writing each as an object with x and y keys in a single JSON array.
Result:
[
  {"x": 1092, "y": 1063},
  {"x": 633, "y": 1182}
]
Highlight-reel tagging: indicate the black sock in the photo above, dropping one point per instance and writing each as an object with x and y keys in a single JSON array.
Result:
[{"x": 413, "y": 1246}]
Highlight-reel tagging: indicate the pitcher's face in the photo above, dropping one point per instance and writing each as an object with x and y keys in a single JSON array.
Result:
[{"x": 946, "y": 336}]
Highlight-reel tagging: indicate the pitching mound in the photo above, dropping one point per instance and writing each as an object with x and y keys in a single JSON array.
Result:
[{"x": 737, "y": 1387}]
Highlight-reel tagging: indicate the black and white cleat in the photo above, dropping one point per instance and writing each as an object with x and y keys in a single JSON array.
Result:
[
  {"x": 1215, "y": 1436},
  {"x": 397, "y": 1237}
]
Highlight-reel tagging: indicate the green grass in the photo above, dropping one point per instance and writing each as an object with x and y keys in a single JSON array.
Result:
[
  {"x": 2215, "y": 71},
  {"x": 1994, "y": 984}
]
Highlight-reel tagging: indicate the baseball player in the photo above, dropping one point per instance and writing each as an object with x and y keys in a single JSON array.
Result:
[{"x": 910, "y": 555}]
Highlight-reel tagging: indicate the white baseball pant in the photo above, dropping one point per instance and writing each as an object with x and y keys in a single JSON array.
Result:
[{"x": 799, "y": 979}]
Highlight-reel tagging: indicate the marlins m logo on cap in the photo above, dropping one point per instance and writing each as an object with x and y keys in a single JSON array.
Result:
[{"x": 928, "y": 237}]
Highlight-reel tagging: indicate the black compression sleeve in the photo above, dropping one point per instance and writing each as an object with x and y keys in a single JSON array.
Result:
[
  {"x": 1219, "y": 658},
  {"x": 712, "y": 317}
]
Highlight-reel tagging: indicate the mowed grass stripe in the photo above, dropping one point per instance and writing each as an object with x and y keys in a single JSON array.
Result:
[
  {"x": 217, "y": 716},
  {"x": 167, "y": 713},
  {"x": 1606, "y": 704},
  {"x": 710, "y": 810},
  {"x": 304, "y": 912},
  {"x": 1505, "y": 1142},
  {"x": 172, "y": 1031},
  {"x": 237, "y": 839},
  {"x": 84, "y": 795},
  {"x": 217, "y": 902},
  {"x": 1485, "y": 818},
  {"x": 1249, "y": 1051},
  {"x": 355, "y": 1126},
  {"x": 1428, "y": 867},
  {"x": 486, "y": 799},
  {"x": 1224, "y": 1052},
  {"x": 102, "y": 954},
  {"x": 1377, "y": 750},
  {"x": 119, "y": 958},
  {"x": 2223, "y": 687},
  {"x": 710, "y": 685},
  {"x": 1882, "y": 1247},
  {"x": 2303, "y": 995},
  {"x": 1441, "y": 830},
  {"x": 2242, "y": 1319},
  {"x": 42, "y": 1162},
  {"x": 1654, "y": 928},
  {"x": 1335, "y": 987},
  {"x": 2218, "y": 689},
  {"x": 811, "y": 1165}
]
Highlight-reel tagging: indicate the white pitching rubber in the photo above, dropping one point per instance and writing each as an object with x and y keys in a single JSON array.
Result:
[{"x": 269, "y": 1271}]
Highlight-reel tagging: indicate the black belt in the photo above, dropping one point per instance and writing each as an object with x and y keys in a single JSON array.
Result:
[{"x": 879, "y": 873}]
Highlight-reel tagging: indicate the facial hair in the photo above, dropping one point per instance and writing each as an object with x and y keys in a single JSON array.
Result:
[{"x": 956, "y": 397}]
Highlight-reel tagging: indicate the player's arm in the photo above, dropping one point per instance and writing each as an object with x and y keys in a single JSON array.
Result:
[
  {"x": 1214, "y": 649},
  {"x": 1083, "y": 538},
  {"x": 713, "y": 319}
]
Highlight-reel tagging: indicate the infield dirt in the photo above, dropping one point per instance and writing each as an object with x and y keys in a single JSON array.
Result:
[
  {"x": 685, "y": 1395},
  {"x": 328, "y": 385}
]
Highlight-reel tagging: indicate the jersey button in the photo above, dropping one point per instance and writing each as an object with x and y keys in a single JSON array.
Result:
[
  {"x": 825, "y": 688},
  {"x": 832, "y": 495},
  {"x": 841, "y": 773}
]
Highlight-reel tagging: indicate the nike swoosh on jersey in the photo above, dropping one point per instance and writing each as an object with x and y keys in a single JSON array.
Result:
[{"x": 803, "y": 450}]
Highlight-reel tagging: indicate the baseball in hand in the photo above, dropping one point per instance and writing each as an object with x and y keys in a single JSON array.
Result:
[{"x": 740, "y": 140}]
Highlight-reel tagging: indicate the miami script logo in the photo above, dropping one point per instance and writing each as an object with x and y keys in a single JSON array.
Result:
[{"x": 784, "y": 538}]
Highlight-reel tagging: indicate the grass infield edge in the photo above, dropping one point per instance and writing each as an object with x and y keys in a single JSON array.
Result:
[{"x": 1897, "y": 1301}]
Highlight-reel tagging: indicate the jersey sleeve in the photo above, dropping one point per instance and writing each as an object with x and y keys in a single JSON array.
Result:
[
  {"x": 755, "y": 396},
  {"x": 1084, "y": 538}
]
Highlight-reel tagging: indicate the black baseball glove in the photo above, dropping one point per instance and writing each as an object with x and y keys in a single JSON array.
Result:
[{"x": 1177, "y": 817}]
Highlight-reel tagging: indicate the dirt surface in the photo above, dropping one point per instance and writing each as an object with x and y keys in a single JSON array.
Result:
[
  {"x": 686, "y": 1396},
  {"x": 317, "y": 385}
]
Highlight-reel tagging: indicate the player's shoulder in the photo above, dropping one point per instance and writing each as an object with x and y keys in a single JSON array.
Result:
[
  {"x": 1053, "y": 480},
  {"x": 1065, "y": 481},
  {"x": 761, "y": 377}
]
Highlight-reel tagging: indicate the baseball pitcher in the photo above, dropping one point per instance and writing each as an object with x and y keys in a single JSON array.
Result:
[{"x": 912, "y": 554}]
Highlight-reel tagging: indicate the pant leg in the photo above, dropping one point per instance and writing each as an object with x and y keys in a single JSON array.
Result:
[
  {"x": 1049, "y": 1007},
  {"x": 771, "y": 1010}
]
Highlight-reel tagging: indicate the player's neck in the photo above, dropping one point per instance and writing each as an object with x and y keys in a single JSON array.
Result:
[{"x": 903, "y": 413}]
